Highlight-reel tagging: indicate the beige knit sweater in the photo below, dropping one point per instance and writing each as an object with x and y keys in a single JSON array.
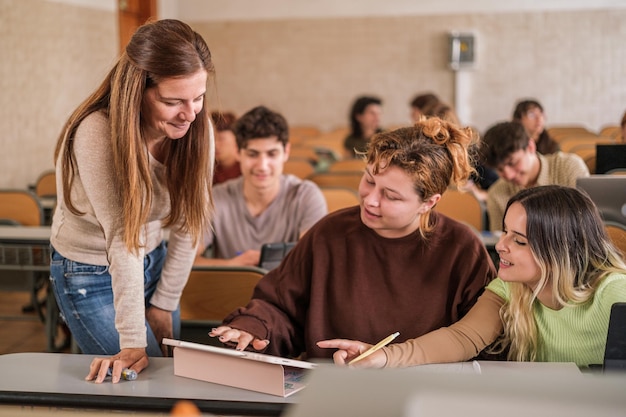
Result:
[{"x": 97, "y": 237}]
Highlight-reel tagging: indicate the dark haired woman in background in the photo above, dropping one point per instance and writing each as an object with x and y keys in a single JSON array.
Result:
[
  {"x": 364, "y": 123},
  {"x": 530, "y": 114}
]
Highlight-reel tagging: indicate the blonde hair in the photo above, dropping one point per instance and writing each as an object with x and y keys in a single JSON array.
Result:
[
  {"x": 568, "y": 241},
  {"x": 157, "y": 51},
  {"x": 435, "y": 153}
]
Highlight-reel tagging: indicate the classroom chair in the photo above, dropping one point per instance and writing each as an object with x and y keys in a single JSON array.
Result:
[
  {"x": 21, "y": 206},
  {"x": 560, "y": 132},
  {"x": 617, "y": 233},
  {"x": 613, "y": 131},
  {"x": 340, "y": 197},
  {"x": 346, "y": 179},
  {"x": 347, "y": 165},
  {"x": 299, "y": 167},
  {"x": 571, "y": 145},
  {"x": 46, "y": 185},
  {"x": 211, "y": 293},
  {"x": 464, "y": 207}
]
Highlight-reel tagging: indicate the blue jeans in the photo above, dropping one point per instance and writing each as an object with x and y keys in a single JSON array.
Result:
[{"x": 85, "y": 298}]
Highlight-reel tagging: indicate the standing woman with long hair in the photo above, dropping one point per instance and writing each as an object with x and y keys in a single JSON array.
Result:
[{"x": 135, "y": 157}]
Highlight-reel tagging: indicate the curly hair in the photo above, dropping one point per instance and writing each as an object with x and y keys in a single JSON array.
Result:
[{"x": 435, "y": 153}]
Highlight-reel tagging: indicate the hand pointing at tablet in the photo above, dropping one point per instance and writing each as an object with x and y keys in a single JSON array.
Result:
[{"x": 242, "y": 338}]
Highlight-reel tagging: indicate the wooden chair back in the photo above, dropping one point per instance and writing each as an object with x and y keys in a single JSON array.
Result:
[
  {"x": 21, "y": 206},
  {"x": 323, "y": 145},
  {"x": 560, "y": 132},
  {"x": 617, "y": 233},
  {"x": 46, "y": 185},
  {"x": 304, "y": 131},
  {"x": 572, "y": 144},
  {"x": 212, "y": 293},
  {"x": 612, "y": 131},
  {"x": 299, "y": 167},
  {"x": 347, "y": 165},
  {"x": 464, "y": 207},
  {"x": 301, "y": 151},
  {"x": 588, "y": 154},
  {"x": 339, "y": 197},
  {"x": 347, "y": 179}
]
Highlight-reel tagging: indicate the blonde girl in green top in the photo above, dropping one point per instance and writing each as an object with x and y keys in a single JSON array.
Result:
[{"x": 559, "y": 274}]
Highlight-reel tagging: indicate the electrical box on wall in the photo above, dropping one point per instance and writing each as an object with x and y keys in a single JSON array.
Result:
[{"x": 462, "y": 50}]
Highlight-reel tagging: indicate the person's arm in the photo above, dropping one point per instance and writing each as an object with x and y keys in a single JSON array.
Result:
[
  {"x": 277, "y": 310},
  {"x": 94, "y": 160},
  {"x": 576, "y": 168},
  {"x": 461, "y": 341},
  {"x": 176, "y": 269},
  {"x": 250, "y": 257}
]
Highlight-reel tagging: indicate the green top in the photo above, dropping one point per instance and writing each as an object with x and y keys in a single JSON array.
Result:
[{"x": 578, "y": 333}]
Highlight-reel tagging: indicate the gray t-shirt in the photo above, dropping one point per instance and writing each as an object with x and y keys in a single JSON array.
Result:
[{"x": 298, "y": 206}]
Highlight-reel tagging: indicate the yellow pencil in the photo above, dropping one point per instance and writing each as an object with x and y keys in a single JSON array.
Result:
[{"x": 374, "y": 348}]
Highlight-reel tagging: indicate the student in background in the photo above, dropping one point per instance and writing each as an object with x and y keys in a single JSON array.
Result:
[
  {"x": 530, "y": 114},
  {"x": 263, "y": 205},
  {"x": 508, "y": 149},
  {"x": 365, "y": 118},
  {"x": 131, "y": 160},
  {"x": 389, "y": 264},
  {"x": 421, "y": 103},
  {"x": 623, "y": 125},
  {"x": 226, "y": 151},
  {"x": 431, "y": 106},
  {"x": 558, "y": 277}
]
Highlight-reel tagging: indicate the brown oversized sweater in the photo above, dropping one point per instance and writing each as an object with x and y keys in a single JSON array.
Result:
[{"x": 343, "y": 280}]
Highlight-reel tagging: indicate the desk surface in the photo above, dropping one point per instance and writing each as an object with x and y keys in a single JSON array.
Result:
[
  {"x": 25, "y": 234},
  {"x": 34, "y": 234},
  {"x": 57, "y": 380}
]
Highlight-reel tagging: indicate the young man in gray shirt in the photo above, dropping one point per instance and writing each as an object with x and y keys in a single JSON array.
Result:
[{"x": 263, "y": 205}]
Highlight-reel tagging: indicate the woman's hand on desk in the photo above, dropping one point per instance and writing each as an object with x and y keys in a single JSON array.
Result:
[
  {"x": 347, "y": 350},
  {"x": 133, "y": 358},
  {"x": 241, "y": 338}
]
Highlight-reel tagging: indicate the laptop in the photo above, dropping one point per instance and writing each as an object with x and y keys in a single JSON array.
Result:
[
  {"x": 608, "y": 192},
  {"x": 273, "y": 253},
  {"x": 615, "y": 352},
  {"x": 609, "y": 157}
]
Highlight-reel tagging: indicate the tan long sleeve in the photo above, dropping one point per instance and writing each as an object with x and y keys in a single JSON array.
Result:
[{"x": 461, "y": 341}]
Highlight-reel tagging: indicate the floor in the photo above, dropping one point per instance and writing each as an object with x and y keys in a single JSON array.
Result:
[{"x": 21, "y": 331}]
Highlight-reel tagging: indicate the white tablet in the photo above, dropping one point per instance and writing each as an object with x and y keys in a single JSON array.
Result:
[{"x": 254, "y": 356}]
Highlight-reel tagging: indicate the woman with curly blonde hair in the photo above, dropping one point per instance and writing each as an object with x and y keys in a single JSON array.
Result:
[
  {"x": 559, "y": 275},
  {"x": 389, "y": 264}
]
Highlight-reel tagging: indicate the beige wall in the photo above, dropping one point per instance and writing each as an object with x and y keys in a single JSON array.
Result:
[
  {"x": 311, "y": 69},
  {"x": 52, "y": 56}
]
